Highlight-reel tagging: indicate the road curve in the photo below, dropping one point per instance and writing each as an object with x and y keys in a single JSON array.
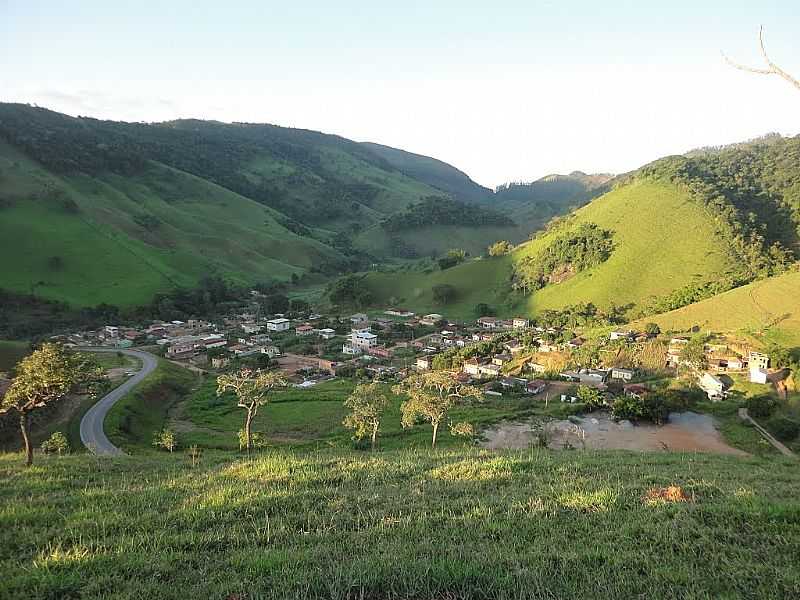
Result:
[{"x": 92, "y": 434}]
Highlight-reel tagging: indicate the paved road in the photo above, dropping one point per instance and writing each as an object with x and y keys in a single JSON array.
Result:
[{"x": 92, "y": 434}]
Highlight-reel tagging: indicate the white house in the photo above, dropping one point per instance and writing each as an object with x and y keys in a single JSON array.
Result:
[
  {"x": 619, "y": 335},
  {"x": 758, "y": 375},
  {"x": 304, "y": 330},
  {"x": 424, "y": 363},
  {"x": 360, "y": 341},
  {"x": 326, "y": 333},
  {"x": 488, "y": 322},
  {"x": 271, "y": 351},
  {"x": 278, "y": 325},
  {"x": 622, "y": 374},
  {"x": 431, "y": 319},
  {"x": 251, "y": 328},
  {"x": 712, "y": 386},
  {"x": 472, "y": 367},
  {"x": 358, "y": 318},
  {"x": 520, "y": 323}
]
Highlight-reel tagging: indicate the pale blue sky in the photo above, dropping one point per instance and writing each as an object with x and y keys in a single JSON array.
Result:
[{"x": 503, "y": 90}]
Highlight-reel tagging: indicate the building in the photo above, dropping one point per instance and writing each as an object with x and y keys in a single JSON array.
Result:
[
  {"x": 501, "y": 359},
  {"x": 536, "y": 367},
  {"x": 381, "y": 351},
  {"x": 326, "y": 334},
  {"x": 712, "y": 386},
  {"x": 360, "y": 341},
  {"x": 535, "y": 386},
  {"x": 622, "y": 374},
  {"x": 424, "y": 363},
  {"x": 278, "y": 324},
  {"x": 303, "y": 330},
  {"x": 271, "y": 351},
  {"x": 519, "y": 323},
  {"x": 514, "y": 346},
  {"x": 431, "y": 319},
  {"x": 181, "y": 350},
  {"x": 757, "y": 360},
  {"x": 398, "y": 312},
  {"x": 472, "y": 366},
  {"x": 251, "y": 328},
  {"x": 490, "y": 370},
  {"x": 220, "y": 362},
  {"x": 759, "y": 375},
  {"x": 488, "y": 322},
  {"x": 358, "y": 319},
  {"x": 576, "y": 342},
  {"x": 620, "y": 335}
]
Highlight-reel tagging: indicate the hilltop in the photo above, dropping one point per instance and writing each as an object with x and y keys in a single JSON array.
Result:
[{"x": 680, "y": 230}]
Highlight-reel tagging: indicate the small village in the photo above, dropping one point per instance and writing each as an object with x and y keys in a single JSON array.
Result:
[{"x": 504, "y": 356}]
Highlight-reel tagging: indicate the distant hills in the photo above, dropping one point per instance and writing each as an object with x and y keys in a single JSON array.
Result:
[
  {"x": 682, "y": 229},
  {"x": 100, "y": 211}
]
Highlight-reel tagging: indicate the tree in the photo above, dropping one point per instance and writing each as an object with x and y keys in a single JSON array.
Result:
[
  {"x": 367, "y": 405},
  {"x": 500, "y": 248},
  {"x": 443, "y": 293},
  {"x": 42, "y": 379},
  {"x": 772, "y": 68},
  {"x": 694, "y": 352},
  {"x": 165, "y": 439},
  {"x": 431, "y": 396},
  {"x": 591, "y": 397},
  {"x": 252, "y": 390},
  {"x": 56, "y": 444},
  {"x": 652, "y": 329},
  {"x": 483, "y": 310},
  {"x": 452, "y": 258}
]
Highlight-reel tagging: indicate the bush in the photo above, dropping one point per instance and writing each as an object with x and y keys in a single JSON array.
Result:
[
  {"x": 443, "y": 293},
  {"x": 628, "y": 407},
  {"x": 782, "y": 428},
  {"x": 591, "y": 397},
  {"x": 761, "y": 406},
  {"x": 56, "y": 444},
  {"x": 165, "y": 439},
  {"x": 656, "y": 409}
]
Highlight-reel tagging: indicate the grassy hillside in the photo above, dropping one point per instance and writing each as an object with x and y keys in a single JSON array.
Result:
[
  {"x": 455, "y": 523},
  {"x": 100, "y": 211},
  {"x": 107, "y": 238},
  {"x": 662, "y": 241},
  {"x": 769, "y": 308}
]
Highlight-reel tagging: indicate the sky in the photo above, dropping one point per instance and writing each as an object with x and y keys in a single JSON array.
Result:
[{"x": 503, "y": 90}]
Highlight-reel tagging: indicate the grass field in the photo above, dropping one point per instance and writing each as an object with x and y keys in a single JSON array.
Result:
[
  {"x": 456, "y": 523},
  {"x": 769, "y": 309},
  {"x": 662, "y": 241}
]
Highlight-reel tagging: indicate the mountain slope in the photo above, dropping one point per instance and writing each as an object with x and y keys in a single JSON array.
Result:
[
  {"x": 107, "y": 238},
  {"x": 680, "y": 229},
  {"x": 434, "y": 172},
  {"x": 769, "y": 307},
  {"x": 101, "y": 211}
]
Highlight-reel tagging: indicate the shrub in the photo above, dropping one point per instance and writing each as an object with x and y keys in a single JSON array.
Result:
[
  {"x": 256, "y": 440},
  {"x": 591, "y": 397},
  {"x": 782, "y": 428},
  {"x": 56, "y": 444},
  {"x": 656, "y": 409},
  {"x": 628, "y": 407},
  {"x": 165, "y": 439},
  {"x": 761, "y": 406},
  {"x": 443, "y": 293}
]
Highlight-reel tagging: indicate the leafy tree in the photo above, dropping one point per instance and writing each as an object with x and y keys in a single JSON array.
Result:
[
  {"x": 165, "y": 439},
  {"x": 56, "y": 444},
  {"x": 252, "y": 390},
  {"x": 440, "y": 210},
  {"x": 652, "y": 329},
  {"x": 443, "y": 293},
  {"x": 500, "y": 248},
  {"x": 367, "y": 405},
  {"x": 761, "y": 406},
  {"x": 590, "y": 396},
  {"x": 628, "y": 407},
  {"x": 43, "y": 378},
  {"x": 430, "y": 396},
  {"x": 694, "y": 352}
]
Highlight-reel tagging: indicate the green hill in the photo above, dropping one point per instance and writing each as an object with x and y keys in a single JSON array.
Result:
[
  {"x": 768, "y": 308},
  {"x": 681, "y": 229},
  {"x": 434, "y": 172},
  {"x": 100, "y": 211}
]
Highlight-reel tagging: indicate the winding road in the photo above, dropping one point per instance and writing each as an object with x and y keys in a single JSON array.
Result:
[{"x": 92, "y": 434}]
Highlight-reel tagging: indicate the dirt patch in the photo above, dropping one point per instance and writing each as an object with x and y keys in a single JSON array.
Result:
[{"x": 685, "y": 432}]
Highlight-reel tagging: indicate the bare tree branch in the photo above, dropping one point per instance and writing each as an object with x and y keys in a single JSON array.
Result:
[{"x": 772, "y": 69}]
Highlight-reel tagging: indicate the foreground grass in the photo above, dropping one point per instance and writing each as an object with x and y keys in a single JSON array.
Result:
[{"x": 414, "y": 524}]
